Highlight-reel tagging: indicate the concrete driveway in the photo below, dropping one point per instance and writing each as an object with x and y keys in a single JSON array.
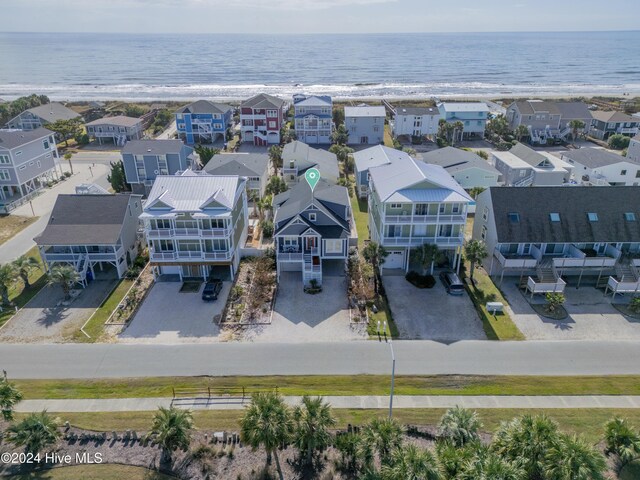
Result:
[
  {"x": 42, "y": 321},
  {"x": 431, "y": 313},
  {"x": 591, "y": 316},
  {"x": 301, "y": 317},
  {"x": 169, "y": 316}
]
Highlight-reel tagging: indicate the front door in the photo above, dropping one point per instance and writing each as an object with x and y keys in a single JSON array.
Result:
[{"x": 311, "y": 242}]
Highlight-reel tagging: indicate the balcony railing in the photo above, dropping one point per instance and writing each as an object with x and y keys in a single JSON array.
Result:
[
  {"x": 457, "y": 218},
  {"x": 519, "y": 261},
  {"x": 545, "y": 287},
  {"x": 93, "y": 256},
  {"x": 406, "y": 241},
  {"x": 187, "y": 232},
  {"x": 290, "y": 257},
  {"x": 191, "y": 255}
]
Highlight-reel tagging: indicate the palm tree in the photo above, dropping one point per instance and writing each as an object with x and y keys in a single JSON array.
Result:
[
  {"x": 411, "y": 463},
  {"x": 475, "y": 191},
  {"x": 66, "y": 276},
  {"x": 622, "y": 441},
  {"x": 382, "y": 435},
  {"x": 340, "y": 135},
  {"x": 453, "y": 459},
  {"x": 24, "y": 264},
  {"x": 275, "y": 154},
  {"x": 459, "y": 426},
  {"x": 426, "y": 255},
  {"x": 486, "y": 465},
  {"x": 526, "y": 440},
  {"x": 68, "y": 155},
  {"x": 342, "y": 153},
  {"x": 35, "y": 432},
  {"x": 375, "y": 254},
  {"x": 476, "y": 252},
  {"x": 267, "y": 422},
  {"x": 458, "y": 130},
  {"x": 575, "y": 126},
  {"x": 520, "y": 132},
  {"x": 171, "y": 429},
  {"x": 8, "y": 275},
  {"x": 9, "y": 396},
  {"x": 572, "y": 458},
  {"x": 312, "y": 421}
]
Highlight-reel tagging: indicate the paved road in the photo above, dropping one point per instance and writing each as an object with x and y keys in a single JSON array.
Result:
[
  {"x": 363, "y": 401},
  {"x": 358, "y": 357},
  {"x": 169, "y": 132}
]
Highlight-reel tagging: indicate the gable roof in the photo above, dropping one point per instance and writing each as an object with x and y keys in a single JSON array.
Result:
[
  {"x": 614, "y": 117},
  {"x": 263, "y": 100},
  {"x": 376, "y": 156},
  {"x": 313, "y": 101},
  {"x": 455, "y": 160},
  {"x": 464, "y": 106},
  {"x": 527, "y": 154},
  {"x": 400, "y": 110},
  {"x": 14, "y": 138},
  {"x": 572, "y": 203},
  {"x": 86, "y": 220},
  {"x": 573, "y": 110},
  {"x": 153, "y": 147},
  {"x": 205, "y": 106},
  {"x": 52, "y": 112},
  {"x": 243, "y": 164},
  {"x": 119, "y": 120},
  {"x": 529, "y": 107},
  {"x": 307, "y": 157},
  {"x": 594, "y": 157},
  {"x": 365, "y": 111}
]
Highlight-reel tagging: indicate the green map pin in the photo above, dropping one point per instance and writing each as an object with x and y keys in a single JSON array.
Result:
[{"x": 312, "y": 176}]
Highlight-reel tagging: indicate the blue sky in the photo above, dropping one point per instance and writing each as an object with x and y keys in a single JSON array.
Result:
[{"x": 316, "y": 16}]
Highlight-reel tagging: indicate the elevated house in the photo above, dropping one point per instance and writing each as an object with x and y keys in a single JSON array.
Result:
[
  {"x": 550, "y": 236},
  {"x": 605, "y": 124},
  {"x": 633, "y": 152},
  {"x": 365, "y": 124},
  {"x": 466, "y": 168},
  {"x": 412, "y": 203},
  {"x": 28, "y": 161},
  {"x": 415, "y": 121},
  {"x": 118, "y": 130},
  {"x": 473, "y": 115},
  {"x": 298, "y": 157},
  {"x": 41, "y": 116},
  {"x": 203, "y": 121},
  {"x": 371, "y": 157},
  {"x": 599, "y": 167},
  {"x": 253, "y": 166},
  {"x": 91, "y": 232},
  {"x": 195, "y": 224},
  {"x": 261, "y": 119},
  {"x": 523, "y": 167},
  {"x": 313, "y": 118},
  {"x": 144, "y": 160},
  {"x": 312, "y": 230}
]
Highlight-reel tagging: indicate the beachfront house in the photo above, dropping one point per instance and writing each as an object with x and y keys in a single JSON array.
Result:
[
  {"x": 596, "y": 166},
  {"x": 117, "y": 130},
  {"x": 144, "y": 160},
  {"x": 473, "y": 116},
  {"x": 605, "y": 124},
  {"x": 312, "y": 230},
  {"x": 28, "y": 161},
  {"x": 253, "y": 166},
  {"x": 298, "y": 157},
  {"x": 523, "y": 167},
  {"x": 365, "y": 124},
  {"x": 203, "y": 122},
  {"x": 313, "y": 120},
  {"x": 415, "y": 121},
  {"x": 371, "y": 157},
  {"x": 412, "y": 203},
  {"x": 550, "y": 235},
  {"x": 466, "y": 168},
  {"x": 261, "y": 118},
  {"x": 42, "y": 115},
  {"x": 91, "y": 233}
]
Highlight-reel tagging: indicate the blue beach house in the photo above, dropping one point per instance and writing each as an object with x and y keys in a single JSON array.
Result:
[{"x": 203, "y": 121}]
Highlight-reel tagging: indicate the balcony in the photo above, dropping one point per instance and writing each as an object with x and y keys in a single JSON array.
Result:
[
  {"x": 627, "y": 130},
  {"x": 416, "y": 241},
  {"x": 534, "y": 286},
  {"x": 72, "y": 257},
  {"x": 416, "y": 219},
  {"x": 190, "y": 255},
  {"x": 577, "y": 258},
  {"x": 187, "y": 232},
  {"x": 516, "y": 261}
]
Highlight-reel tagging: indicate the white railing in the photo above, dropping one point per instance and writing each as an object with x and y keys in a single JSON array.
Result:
[
  {"x": 421, "y": 240},
  {"x": 289, "y": 257},
  {"x": 524, "y": 182},
  {"x": 529, "y": 262},
  {"x": 584, "y": 262},
  {"x": 187, "y": 232},
  {"x": 308, "y": 267},
  {"x": 627, "y": 130},
  {"x": 408, "y": 218},
  {"x": 635, "y": 262},
  {"x": 189, "y": 255},
  {"x": 545, "y": 287},
  {"x": 92, "y": 256},
  {"x": 536, "y": 253},
  {"x": 617, "y": 286}
]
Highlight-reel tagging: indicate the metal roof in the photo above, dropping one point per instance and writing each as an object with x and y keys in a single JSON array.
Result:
[
  {"x": 376, "y": 156},
  {"x": 464, "y": 106},
  {"x": 365, "y": 111},
  {"x": 205, "y": 106},
  {"x": 417, "y": 111},
  {"x": 314, "y": 101}
]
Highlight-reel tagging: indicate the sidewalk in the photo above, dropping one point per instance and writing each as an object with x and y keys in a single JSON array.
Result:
[{"x": 356, "y": 402}]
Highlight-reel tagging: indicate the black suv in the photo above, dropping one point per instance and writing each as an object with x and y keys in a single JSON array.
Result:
[{"x": 211, "y": 290}]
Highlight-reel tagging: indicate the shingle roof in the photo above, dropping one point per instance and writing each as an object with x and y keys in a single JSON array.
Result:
[
  {"x": 307, "y": 157},
  {"x": 244, "y": 164},
  {"x": 529, "y": 107},
  {"x": 464, "y": 106},
  {"x": 85, "y": 220},
  {"x": 573, "y": 110},
  {"x": 615, "y": 117},
  {"x": 572, "y": 203},
  {"x": 14, "y": 138},
  {"x": 205, "y": 106},
  {"x": 455, "y": 159},
  {"x": 262, "y": 100},
  {"x": 400, "y": 110},
  {"x": 364, "y": 111},
  {"x": 593, "y": 157},
  {"x": 376, "y": 156},
  {"x": 52, "y": 112},
  {"x": 527, "y": 154},
  {"x": 153, "y": 147},
  {"x": 119, "y": 120}
]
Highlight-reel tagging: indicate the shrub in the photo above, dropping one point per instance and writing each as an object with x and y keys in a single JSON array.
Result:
[
  {"x": 618, "y": 142},
  {"x": 416, "y": 140},
  {"x": 554, "y": 301},
  {"x": 267, "y": 228},
  {"x": 441, "y": 142},
  {"x": 634, "y": 305}
]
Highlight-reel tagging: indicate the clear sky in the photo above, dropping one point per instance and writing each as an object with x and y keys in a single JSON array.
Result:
[{"x": 316, "y": 16}]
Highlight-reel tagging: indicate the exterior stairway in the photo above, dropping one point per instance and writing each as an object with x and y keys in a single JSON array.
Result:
[{"x": 311, "y": 271}]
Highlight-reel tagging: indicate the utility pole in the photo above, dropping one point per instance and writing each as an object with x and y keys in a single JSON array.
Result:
[{"x": 389, "y": 341}]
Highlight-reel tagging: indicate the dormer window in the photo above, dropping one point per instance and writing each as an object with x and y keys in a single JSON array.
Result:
[
  {"x": 554, "y": 217},
  {"x": 593, "y": 217},
  {"x": 514, "y": 217},
  {"x": 312, "y": 217},
  {"x": 630, "y": 217}
]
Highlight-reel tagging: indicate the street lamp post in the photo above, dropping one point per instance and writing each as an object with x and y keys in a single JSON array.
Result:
[{"x": 393, "y": 362}]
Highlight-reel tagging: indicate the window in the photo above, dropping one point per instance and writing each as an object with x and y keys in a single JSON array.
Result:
[
  {"x": 395, "y": 206},
  {"x": 4, "y": 174},
  {"x": 312, "y": 217},
  {"x": 292, "y": 177},
  {"x": 523, "y": 173},
  {"x": 376, "y": 128},
  {"x": 179, "y": 116},
  {"x": 39, "y": 164},
  {"x": 623, "y": 172},
  {"x": 333, "y": 246},
  {"x": 162, "y": 166},
  {"x": 630, "y": 217},
  {"x": 514, "y": 217},
  {"x": 554, "y": 217},
  {"x": 592, "y": 216},
  {"x": 483, "y": 233},
  {"x": 31, "y": 163},
  {"x": 254, "y": 179},
  {"x": 455, "y": 208},
  {"x": 441, "y": 208},
  {"x": 5, "y": 159},
  {"x": 22, "y": 167},
  {"x": 485, "y": 213},
  {"x": 272, "y": 124},
  {"x": 45, "y": 144},
  {"x": 19, "y": 152},
  {"x": 638, "y": 174}
]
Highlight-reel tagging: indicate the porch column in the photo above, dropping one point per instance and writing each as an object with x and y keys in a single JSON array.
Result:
[
  {"x": 408, "y": 259},
  {"x": 459, "y": 260}
]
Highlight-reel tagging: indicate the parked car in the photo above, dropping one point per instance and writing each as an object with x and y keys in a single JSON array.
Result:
[
  {"x": 211, "y": 290},
  {"x": 452, "y": 283}
]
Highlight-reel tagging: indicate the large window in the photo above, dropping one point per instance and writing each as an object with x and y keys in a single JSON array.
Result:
[
  {"x": 333, "y": 246},
  {"x": 162, "y": 166},
  {"x": 5, "y": 159},
  {"x": 4, "y": 175}
]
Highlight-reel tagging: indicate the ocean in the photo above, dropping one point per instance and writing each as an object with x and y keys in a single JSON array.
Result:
[{"x": 230, "y": 67}]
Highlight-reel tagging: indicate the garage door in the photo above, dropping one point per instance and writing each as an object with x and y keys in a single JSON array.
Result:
[
  {"x": 394, "y": 260},
  {"x": 247, "y": 137}
]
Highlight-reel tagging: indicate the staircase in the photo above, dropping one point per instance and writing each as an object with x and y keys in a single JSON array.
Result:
[
  {"x": 121, "y": 140},
  {"x": 565, "y": 132},
  {"x": 626, "y": 272},
  {"x": 311, "y": 271},
  {"x": 546, "y": 273},
  {"x": 524, "y": 182},
  {"x": 82, "y": 265}
]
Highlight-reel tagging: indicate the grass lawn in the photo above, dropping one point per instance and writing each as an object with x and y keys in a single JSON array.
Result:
[
  {"x": 360, "y": 210},
  {"x": 588, "y": 422},
  {"x": 336, "y": 385},
  {"x": 496, "y": 326},
  {"x": 94, "y": 472},
  {"x": 388, "y": 139},
  {"x": 631, "y": 471},
  {"x": 21, "y": 296},
  {"x": 95, "y": 325},
  {"x": 13, "y": 224},
  {"x": 384, "y": 314}
]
